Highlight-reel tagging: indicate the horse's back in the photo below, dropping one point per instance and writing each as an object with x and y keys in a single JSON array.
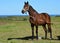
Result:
[{"x": 46, "y": 17}]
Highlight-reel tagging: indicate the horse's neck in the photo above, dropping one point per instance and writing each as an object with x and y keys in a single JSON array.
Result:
[{"x": 32, "y": 12}]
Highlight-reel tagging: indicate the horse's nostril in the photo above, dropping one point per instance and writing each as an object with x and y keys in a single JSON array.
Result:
[{"x": 22, "y": 11}]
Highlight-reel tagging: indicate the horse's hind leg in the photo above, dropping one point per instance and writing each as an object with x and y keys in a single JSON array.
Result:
[
  {"x": 45, "y": 29},
  {"x": 50, "y": 30}
]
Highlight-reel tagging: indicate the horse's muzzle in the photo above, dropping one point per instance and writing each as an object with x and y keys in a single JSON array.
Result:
[{"x": 22, "y": 11}]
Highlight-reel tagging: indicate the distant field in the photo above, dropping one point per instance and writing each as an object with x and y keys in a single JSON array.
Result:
[{"x": 19, "y": 27}]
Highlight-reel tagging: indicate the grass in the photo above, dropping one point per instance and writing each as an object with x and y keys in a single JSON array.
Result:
[{"x": 16, "y": 29}]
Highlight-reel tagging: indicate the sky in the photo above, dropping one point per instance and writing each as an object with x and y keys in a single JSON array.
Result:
[{"x": 14, "y": 7}]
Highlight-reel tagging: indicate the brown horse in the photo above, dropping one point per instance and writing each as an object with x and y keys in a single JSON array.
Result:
[{"x": 37, "y": 19}]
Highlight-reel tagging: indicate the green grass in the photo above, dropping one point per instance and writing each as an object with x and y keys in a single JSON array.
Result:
[{"x": 18, "y": 29}]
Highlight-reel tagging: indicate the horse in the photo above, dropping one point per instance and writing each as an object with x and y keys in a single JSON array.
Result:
[{"x": 36, "y": 19}]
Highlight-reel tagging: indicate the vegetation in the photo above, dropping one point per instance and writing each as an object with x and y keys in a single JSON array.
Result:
[{"x": 14, "y": 29}]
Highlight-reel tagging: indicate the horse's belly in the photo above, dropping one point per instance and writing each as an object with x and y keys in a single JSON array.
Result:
[
  {"x": 37, "y": 21},
  {"x": 41, "y": 22}
]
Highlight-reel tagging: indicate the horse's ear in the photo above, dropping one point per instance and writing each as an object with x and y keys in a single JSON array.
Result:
[{"x": 27, "y": 2}]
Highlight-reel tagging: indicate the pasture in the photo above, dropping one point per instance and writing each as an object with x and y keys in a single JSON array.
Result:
[{"x": 17, "y": 30}]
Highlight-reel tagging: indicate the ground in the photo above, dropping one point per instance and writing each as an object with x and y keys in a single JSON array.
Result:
[{"x": 19, "y": 31}]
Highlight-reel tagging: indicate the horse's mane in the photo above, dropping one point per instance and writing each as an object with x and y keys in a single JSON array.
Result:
[{"x": 33, "y": 9}]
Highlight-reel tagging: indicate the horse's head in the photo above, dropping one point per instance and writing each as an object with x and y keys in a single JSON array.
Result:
[{"x": 25, "y": 8}]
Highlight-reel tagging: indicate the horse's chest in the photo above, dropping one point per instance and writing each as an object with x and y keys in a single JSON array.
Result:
[{"x": 32, "y": 20}]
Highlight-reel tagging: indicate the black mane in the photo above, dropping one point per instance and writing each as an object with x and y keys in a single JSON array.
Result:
[{"x": 33, "y": 9}]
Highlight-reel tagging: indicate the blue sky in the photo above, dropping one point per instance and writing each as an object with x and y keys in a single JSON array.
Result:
[{"x": 14, "y": 7}]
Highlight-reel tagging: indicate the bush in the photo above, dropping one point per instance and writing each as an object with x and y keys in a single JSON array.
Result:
[{"x": 24, "y": 19}]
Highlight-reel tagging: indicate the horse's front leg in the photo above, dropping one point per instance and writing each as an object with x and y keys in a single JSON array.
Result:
[
  {"x": 37, "y": 32},
  {"x": 32, "y": 26}
]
